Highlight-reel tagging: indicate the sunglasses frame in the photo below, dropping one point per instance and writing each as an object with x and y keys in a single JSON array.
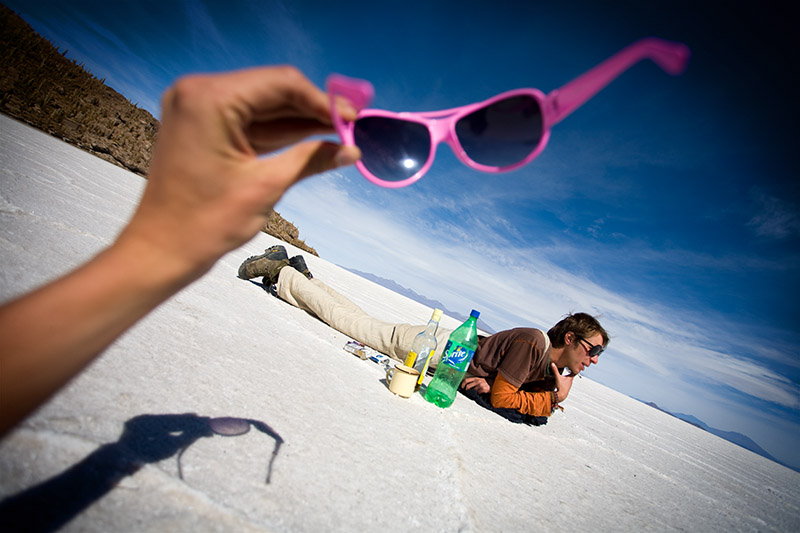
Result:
[{"x": 672, "y": 57}]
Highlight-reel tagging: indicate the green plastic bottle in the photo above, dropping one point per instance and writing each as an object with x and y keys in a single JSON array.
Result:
[{"x": 457, "y": 354}]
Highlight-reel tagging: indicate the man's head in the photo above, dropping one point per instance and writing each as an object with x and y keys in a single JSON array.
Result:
[{"x": 579, "y": 336}]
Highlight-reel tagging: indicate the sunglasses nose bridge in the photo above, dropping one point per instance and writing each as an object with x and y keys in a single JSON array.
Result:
[
  {"x": 439, "y": 132},
  {"x": 443, "y": 130}
]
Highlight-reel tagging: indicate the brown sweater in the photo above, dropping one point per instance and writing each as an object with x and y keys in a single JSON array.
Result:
[{"x": 516, "y": 363}]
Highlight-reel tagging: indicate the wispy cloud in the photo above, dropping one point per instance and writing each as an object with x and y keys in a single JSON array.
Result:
[
  {"x": 206, "y": 40},
  {"x": 280, "y": 36},
  {"x": 774, "y": 219}
]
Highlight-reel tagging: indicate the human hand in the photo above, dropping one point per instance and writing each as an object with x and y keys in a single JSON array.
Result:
[
  {"x": 479, "y": 384},
  {"x": 153, "y": 438},
  {"x": 563, "y": 383},
  {"x": 208, "y": 191}
]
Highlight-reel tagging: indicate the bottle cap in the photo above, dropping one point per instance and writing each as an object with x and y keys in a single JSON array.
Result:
[
  {"x": 475, "y": 314},
  {"x": 437, "y": 315}
]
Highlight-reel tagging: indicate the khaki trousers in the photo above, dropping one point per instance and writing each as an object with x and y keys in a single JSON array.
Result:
[{"x": 346, "y": 317}]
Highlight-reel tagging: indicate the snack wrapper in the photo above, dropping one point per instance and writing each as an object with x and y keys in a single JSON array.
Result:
[{"x": 365, "y": 352}]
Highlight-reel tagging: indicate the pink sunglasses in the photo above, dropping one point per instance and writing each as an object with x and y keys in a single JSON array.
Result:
[{"x": 500, "y": 134}]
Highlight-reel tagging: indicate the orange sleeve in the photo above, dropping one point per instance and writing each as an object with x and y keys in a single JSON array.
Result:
[{"x": 506, "y": 395}]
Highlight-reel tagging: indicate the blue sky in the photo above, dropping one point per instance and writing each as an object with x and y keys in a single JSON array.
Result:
[{"x": 668, "y": 205}]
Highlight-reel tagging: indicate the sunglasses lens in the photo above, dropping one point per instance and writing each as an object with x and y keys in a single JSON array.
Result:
[
  {"x": 391, "y": 149},
  {"x": 503, "y": 133},
  {"x": 229, "y": 426},
  {"x": 596, "y": 350}
]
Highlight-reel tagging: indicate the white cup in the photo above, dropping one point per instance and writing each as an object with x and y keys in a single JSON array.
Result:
[{"x": 402, "y": 380}]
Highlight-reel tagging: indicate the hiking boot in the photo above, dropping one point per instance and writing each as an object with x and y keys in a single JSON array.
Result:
[
  {"x": 273, "y": 253},
  {"x": 268, "y": 268},
  {"x": 299, "y": 264}
]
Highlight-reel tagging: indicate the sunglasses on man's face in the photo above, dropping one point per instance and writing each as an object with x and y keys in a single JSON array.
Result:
[
  {"x": 500, "y": 134},
  {"x": 593, "y": 349}
]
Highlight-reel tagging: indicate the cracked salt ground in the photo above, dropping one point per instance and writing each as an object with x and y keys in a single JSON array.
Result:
[{"x": 354, "y": 456}]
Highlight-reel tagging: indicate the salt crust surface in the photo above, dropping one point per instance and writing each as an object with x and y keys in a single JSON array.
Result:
[{"x": 355, "y": 457}]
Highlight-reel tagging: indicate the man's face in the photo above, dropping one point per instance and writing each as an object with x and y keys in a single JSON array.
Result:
[{"x": 577, "y": 350}]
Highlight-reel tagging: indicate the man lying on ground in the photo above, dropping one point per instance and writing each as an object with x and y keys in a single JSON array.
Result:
[{"x": 519, "y": 368}]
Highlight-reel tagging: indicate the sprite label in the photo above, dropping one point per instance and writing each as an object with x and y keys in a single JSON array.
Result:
[{"x": 457, "y": 355}]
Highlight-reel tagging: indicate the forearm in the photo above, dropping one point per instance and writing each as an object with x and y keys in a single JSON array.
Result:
[
  {"x": 51, "y": 334},
  {"x": 506, "y": 395}
]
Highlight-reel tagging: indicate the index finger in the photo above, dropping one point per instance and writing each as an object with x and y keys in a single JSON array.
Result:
[{"x": 268, "y": 93}]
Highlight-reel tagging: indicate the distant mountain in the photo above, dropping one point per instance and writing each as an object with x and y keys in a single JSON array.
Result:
[
  {"x": 399, "y": 289},
  {"x": 731, "y": 436}
]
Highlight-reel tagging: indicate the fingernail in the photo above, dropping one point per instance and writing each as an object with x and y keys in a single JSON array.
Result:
[
  {"x": 349, "y": 111},
  {"x": 347, "y": 155},
  {"x": 346, "y": 109}
]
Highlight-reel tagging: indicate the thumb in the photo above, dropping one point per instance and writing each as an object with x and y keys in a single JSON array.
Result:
[{"x": 313, "y": 157}]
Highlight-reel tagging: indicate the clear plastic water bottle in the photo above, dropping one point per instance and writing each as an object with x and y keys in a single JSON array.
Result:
[
  {"x": 457, "y": 354},
  {"x": 423, "y": 346}
]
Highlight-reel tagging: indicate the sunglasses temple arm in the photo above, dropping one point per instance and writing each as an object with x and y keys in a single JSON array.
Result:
[
  {"x": 672, "y": 57},
  {"x": 359, "y": 92}
]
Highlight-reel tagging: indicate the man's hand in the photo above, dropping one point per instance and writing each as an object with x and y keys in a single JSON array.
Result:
[
  {"x": 563, "y": 383},
  {"x": 208, "y": 191},
  {"x": 479, "y": 384}
]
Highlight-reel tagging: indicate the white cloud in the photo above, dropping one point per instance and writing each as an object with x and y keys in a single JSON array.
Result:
[
  {"x": 206, "y": 38},
  {"x": 774, "y": 218}
]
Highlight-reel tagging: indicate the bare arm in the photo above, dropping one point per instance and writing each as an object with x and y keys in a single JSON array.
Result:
[{"x": 207, "y": 193}]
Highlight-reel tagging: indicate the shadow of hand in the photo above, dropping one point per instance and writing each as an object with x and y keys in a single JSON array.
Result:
[{"x": 152, "y": 438}]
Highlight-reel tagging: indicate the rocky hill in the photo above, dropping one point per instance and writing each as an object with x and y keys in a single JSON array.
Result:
[{"x": 41, "y": 86}]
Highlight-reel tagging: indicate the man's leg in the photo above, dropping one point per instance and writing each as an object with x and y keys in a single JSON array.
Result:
[{"x": 343, "y": 315}]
